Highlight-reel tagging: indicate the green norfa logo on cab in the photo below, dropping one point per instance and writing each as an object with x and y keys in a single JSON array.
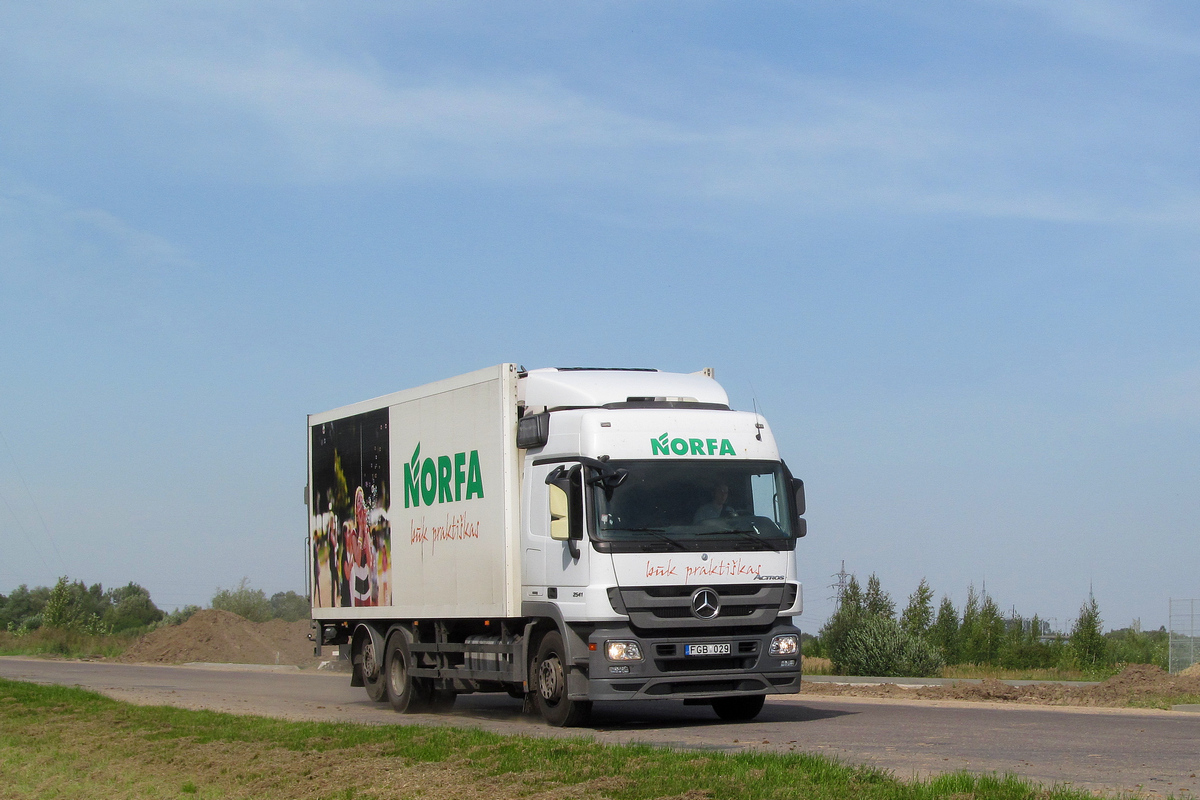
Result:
[
  {"x": 428, "y": 482},
  {"x": 664, "y": 445}
]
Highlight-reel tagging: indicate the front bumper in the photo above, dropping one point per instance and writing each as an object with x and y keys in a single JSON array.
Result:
[{"x": 665, "y": 672}]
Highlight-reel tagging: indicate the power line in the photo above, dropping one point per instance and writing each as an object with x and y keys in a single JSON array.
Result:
[
  {"x": 32, "y": 502},
  {"x": 24, "y": 535}
]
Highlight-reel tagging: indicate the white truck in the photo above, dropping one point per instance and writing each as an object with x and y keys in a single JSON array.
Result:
[{"x": 564, "y": 535}]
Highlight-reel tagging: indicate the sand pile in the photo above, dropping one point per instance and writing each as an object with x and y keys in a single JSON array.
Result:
[
  {"x": 224, "y": 637},
  {"x": 1191, "y": 672}
]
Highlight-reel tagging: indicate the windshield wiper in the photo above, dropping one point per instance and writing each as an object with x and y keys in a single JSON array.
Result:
[
  {"x": 657, "y": 533},
  {"x": 745, "y": 534}
]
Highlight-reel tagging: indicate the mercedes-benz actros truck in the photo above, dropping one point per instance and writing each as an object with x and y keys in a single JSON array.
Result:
[{"x": 565, "y": 535}]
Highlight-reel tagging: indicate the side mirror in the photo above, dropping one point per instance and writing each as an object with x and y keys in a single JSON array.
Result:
[
  {"x": 798, "y": 488},
  {"x": 533, "y": 430},
  {"x": 566, "y": 506}
]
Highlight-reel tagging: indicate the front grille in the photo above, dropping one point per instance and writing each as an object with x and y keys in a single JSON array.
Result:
[
  {"x": 658, "y": 607},
  {"x": 672, "y": 612},
  {"x": 686, "y": 591},
  {"x": 706, "y": 663}
]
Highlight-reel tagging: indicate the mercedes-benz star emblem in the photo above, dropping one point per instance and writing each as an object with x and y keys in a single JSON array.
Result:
[{"x": 705, "y": 603}]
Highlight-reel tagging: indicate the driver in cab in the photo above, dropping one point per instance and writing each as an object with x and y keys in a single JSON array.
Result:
[{"x": 718, "y": 507}]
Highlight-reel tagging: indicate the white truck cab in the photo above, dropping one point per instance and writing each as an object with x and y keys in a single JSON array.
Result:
[{"x": 570, "y": 535}]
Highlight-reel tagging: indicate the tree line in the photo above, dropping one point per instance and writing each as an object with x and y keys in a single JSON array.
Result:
[
  {"x": 866, "y": 637},
  {"x": 74, "y": 606}
]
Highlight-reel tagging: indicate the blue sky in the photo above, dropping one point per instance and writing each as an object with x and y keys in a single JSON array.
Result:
[{"x": 950, "y": 249}]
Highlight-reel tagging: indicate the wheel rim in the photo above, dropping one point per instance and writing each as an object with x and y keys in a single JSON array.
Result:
[
  {"x": 370, "y": 664},
  {"x": 398, "y": 673},
  {"x": 550, "y": 679}
]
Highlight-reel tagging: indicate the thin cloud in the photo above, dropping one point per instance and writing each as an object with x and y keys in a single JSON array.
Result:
[
  {"x": 1130, "y": 24},
  {"x": 260, "y": 110}
]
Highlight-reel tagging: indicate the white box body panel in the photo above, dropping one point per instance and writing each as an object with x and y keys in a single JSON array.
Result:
[{"x": 432, "y": 529}]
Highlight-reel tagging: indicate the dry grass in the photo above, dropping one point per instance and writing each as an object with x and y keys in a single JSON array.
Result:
[
  {"x": 1031, "y": 674},
  {"x": 814, "y": 665},
  {"x": 58, "y": 642}
]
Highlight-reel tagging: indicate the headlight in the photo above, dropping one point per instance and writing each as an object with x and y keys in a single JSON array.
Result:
[
  {"x": 623, "y": 651},
  {"x": 786, "y": 645}
]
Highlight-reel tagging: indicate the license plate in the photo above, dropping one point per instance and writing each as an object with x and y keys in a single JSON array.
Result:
[{"x": 706, "y": 649}]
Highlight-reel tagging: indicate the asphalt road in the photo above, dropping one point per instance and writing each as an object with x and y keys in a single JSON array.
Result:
[{"x": 1153, "y": 752}]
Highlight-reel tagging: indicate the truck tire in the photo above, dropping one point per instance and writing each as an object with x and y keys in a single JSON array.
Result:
[
  {"x": 739, "y": 709},
  {"x": 372, "y": 670},
  {"x": 406, "y": 693},
  {"x": 442, "y": 700},
  {"x": 549, "y": 674}
]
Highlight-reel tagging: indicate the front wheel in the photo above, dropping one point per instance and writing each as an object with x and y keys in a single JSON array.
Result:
[
  {"x": 739, "y": 709},
  {"x": 550, "y": 693}
]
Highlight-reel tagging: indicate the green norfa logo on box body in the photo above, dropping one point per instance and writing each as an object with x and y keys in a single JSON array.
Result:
[
  {"x": 442, "y": 481},
  {"x": 664, "y": 445}
]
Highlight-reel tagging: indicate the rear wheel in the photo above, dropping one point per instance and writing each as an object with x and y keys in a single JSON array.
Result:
[
  {"x": 406, "y": 693},
  {"x": 739, "y": 709},
  {"x": 550, "y": 694},
  {"x": 372, "y": 670}
]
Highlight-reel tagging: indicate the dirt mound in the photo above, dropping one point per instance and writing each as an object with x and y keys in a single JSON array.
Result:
[
  {"x": 1191, "y": 672},
  {"x": 1140, "y": 681},
  {"x": 224, "y": 637}
]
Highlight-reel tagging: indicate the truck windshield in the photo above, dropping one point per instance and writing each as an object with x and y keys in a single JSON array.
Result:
[{"x": 692, "y": 505}]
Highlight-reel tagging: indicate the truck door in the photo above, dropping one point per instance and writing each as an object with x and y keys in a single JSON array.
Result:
[{"x": 560, "y": 570}]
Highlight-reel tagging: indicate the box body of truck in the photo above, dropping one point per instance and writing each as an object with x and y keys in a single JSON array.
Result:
[
  {"x": 570, "y": 534},
  {"x": 433, "y": 472}
]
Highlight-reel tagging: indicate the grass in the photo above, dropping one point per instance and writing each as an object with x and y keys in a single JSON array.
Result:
[
  {"x": 1164, "y": 701},
  {"x": 823, "y": 666},
  {"x": 70, "y": 644},
  {"x": 815, "y": 665},
  {"x": 66, "y": 742}
]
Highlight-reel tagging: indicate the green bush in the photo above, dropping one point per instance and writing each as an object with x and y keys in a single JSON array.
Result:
[
  {"x": 131, "y": 608},
  {"x": 1132, "y": 645},
  {"x": 982, "y": 636},
  {"x": 879, "y": 646},
  {"x": 290, "y": 606},
  {"x": 922, "y": 659},
  {"x": 22, "y": 610},
  {"x": 244, "y": 601},
  {"x": 850, "y": 610},
  {"x": 1088, "y": 644},
  {"x": 75, "y": 607},
  {"x": 811, "y": 646},
  {"x": 944, "y": 633},
  {"x": 179, "y": 616}
]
